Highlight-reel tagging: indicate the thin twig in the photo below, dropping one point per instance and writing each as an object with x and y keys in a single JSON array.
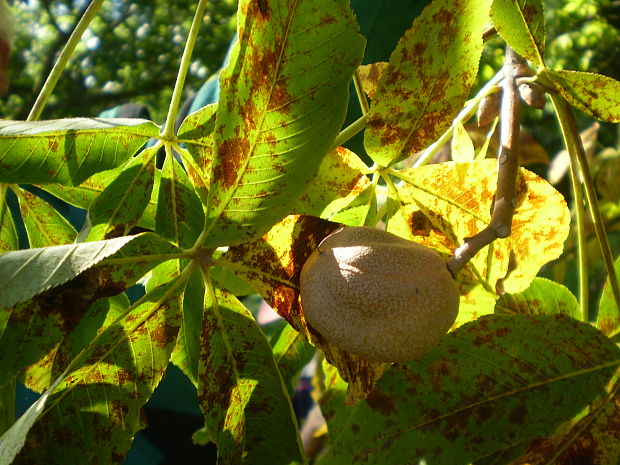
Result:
[{"x": 507, "y": 169}]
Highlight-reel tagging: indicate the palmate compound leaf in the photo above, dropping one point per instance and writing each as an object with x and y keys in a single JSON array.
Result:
[
  {"x": 248, "y": 413},
  {"x": 457, "y": 199},
  {"x": 95, "y": 407},
  {"x": 68, "y": 151},
  {"x": 521, "y": 23},
  {"x": 272, "y": 265},
  {"x": 594, "y": 94},
  {"x": 45, "y": 292},
  {"x": 283, "y": 101},
  {"x": 427, "y": 80},
  {"x": 490, "y": 384}
]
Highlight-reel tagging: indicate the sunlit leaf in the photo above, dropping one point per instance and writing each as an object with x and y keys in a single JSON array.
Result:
[
  {"x": 98, "y": 405},
  {"x": 489, "y": 385},
  {"x": 196, "y": 132},
  {"x": 186, "y": 353},
  {"x": 594, "y": 94},
  {"x": 457, "y": 199},
  {"x": 341, "y": 191},
  {"x": 608, "y": 319},
  {"x": 122, "y": 202},
  {"x": 247, "y": 410},
  {"x": 543, "y": 297},
  {"x": 68, "y": 151},
  {"x": 427, "y": 80},
  {"x": 521, "y": 23},
  {"x": 462, "y": 146},
  {"x": 180, "y": 216},
  {"x": 370, "y": 76},
  {"x": 44, "y": 224},
  {"x": 283, "y": 101}
]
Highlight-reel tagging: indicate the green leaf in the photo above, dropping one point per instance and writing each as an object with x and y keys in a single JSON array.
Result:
[
  {"x": 341, "y": 191},
  {"x": 292, "y": 353},
  {"x": 44, "y": 224},
  {"x": 97, "y": 407},
  {"x": 83, "y": 195},
  {"x": 593, "y": 438},
  {"x": 180, "y": 216},
  {"x": 196, "y": 132},
  {"x": 608, "y": 319},
  {"x": 68, "y": 151},
  {"x": 248, "y": 413},
  {"x": 186, "y": 354},
  {"x": 8, "y": 234},
  {"x": 594, "y": 94},
  {"x": 26, "y": 273},
  {"x": 68, "y": 279},
  {"x": 427, "y": 80},
  {"x": 521, "y": 23},
  {"x": 283, "y": 101},
  {"x": 122, "y": 202},
  {"x": 543, "y": 297},
  {"x": 490, "y": 384}
]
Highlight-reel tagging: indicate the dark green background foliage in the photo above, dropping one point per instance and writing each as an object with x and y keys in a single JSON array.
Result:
[{"x": 131, "y": 53}]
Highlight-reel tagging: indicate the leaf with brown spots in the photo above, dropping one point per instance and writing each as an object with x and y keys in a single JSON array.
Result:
[
  {"x": 370, "y": 76},
  {"x": 122, "y": 202},
  {"x": 542, "y": 297},
  {"x": 67, "y": 151},
  {"x": 521, "y": 23},
  {"x": 427, "y": 80},
  {"x": 594, "y": 94},
  {"x": 180, "y": 216},
  {"x": 95, "y": 410},
  {"x": 26, "y": 273},
  {"x": 457, "y": 199},
  {"x": 283, "y": 100},
  {"x": 248, "y": 413},
  {"x": 77, "y": 276},
  {"x": 341, "y": 192},
  {"x": 594, "y": 439},
  {"x": 608, "y": 318},
  {"x": 44, "y": 224},
  {"x": 490, "y": 384}
]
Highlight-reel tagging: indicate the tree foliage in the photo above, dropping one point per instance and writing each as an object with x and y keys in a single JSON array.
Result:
[{"x": 249, "y": 188}]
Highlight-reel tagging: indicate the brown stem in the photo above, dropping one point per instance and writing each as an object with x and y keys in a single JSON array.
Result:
[{"x": 507, "y": 168}]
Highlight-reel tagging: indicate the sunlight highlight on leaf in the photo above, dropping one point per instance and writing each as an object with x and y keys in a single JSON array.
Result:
[
  {"x": 283, "y": 101},
  {"x": 427, "y": 80},
  {"x": 68, "y": 151}
]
